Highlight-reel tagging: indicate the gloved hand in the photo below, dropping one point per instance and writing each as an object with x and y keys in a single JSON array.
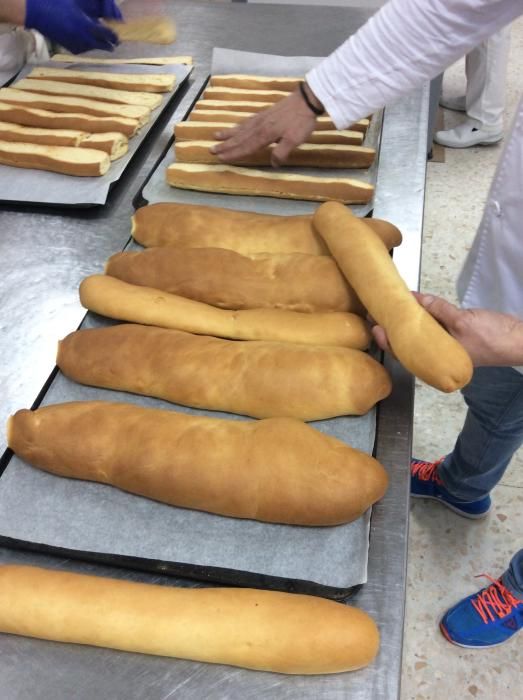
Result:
[{"x": 73, "y": 23}]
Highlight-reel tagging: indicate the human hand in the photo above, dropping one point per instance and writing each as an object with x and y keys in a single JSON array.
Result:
[
  {"x": 288, "y": 123},
  {"x": 73, "y": 23},
  {"x": 490, "y": 338}
]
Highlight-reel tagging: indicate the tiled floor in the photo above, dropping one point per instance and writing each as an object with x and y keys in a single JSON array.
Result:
[{"x": 446, "y": 551}]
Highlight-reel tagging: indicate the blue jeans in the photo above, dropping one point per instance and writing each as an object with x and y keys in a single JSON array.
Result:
[{"x": 492, "y": 432}]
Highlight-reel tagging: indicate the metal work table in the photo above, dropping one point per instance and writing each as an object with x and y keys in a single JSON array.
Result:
[{"x": 46, "y": 253}]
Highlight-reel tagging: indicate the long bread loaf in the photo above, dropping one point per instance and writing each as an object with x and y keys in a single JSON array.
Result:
[
  {"x": 149, "y": 29},
  {"x": 229, "y": 111},
  {"x": 262, "y": 630},
  {"x": 56, "y": 103},
  {"x": 200, "y": 130},
  {"x": 416, "y": 338},
  {"x": 253, "y": 378},
  {"x": 230, "y": 179},
  {"x": 145, "y": 60},
  {"x": 240, "y": 95},
  {"x": 44, "y": 118},
  {"x": 306, "y": 155},
  {"x": 113, "y": 143},
  {"x": 57, "y": 159},
  {"x": 255, "y": 82},
  {"x": 133, "y": 82},
  {"x": 276, "y": 470},
  {"x": 223, "y": 278},
  {"x": 111, "y": 297},
  {"x": 59, "y": 87},
  {"x": 49, "y": 137},
  {"x": 200, "y": 226}
]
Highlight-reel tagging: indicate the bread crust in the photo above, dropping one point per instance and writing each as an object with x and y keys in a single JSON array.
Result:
[
  {"x": 255, "y": 82},
  {"x": 74, "y": 104},
  {"x": 109, "y": 296},
  {"x": 228, "y": 280},
  {"x": 58, "y": 159},
  {"x": 200, "y": 226},
  {"x": 253, "y": 378},
  {"x": 306, "y": 155},
  {"x": 49, "y": 137},
  {"x": 231, "y": 179},
  {"x": 277, "y": 470},
  {"x": 419, "y": 342},
  {"x": 28, "y": 116},
  {"x": 141, "y": 82},
  {"x": 114, "y": 144},
  {"x": 59, "y": 87},
  {"x": 262, "y": 630},
  {"x": 238, "y": 94}
]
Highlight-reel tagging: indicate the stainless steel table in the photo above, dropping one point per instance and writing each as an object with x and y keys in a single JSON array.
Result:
[{"x": 46, "y": 253}]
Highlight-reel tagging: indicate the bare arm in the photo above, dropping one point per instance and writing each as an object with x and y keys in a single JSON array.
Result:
[{"x": 491, "y": 338}]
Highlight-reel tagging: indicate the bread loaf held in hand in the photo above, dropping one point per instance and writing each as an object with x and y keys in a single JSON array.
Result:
[
  {"x": 416, "y": 338},
  {"x": 220, "y": 277},
  {"x": 111, "y": 297},
  {"x": 276, "y": 470},
  {"x": 200, "y": 226},
  {"x": 253, "y": 378},
  {"x": 262, "y": 630}
]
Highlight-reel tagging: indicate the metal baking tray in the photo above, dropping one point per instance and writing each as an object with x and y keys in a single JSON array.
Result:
[{"x": 39, "y": 187}]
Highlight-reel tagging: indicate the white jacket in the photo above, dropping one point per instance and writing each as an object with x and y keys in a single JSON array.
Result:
[{"x": 403, "y": 45}]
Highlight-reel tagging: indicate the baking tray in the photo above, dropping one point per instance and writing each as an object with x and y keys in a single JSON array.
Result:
[
  {"x": 155, "y": 188},
  {"x": 39, "y": 187},
  {"x": 83, "y": 520}
]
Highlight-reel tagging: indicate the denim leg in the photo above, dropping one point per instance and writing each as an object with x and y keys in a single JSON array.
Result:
[
  {"x": 492, "y": 432},
  {"x": 513, "y": 576}
]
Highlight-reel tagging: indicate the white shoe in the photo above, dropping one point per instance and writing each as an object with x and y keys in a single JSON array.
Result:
[
  {"x": 470, "y": 133},
  {"x": 457, "y": 104}
]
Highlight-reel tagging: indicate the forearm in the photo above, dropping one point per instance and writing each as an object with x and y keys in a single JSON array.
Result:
[
  {"x": 501, "y": 345},
  {"x": 13, "y": 11},
  {"x": 406, "y": 43}
]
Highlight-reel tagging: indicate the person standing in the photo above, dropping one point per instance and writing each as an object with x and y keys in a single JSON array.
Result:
[{"x": 484, "y": 99}]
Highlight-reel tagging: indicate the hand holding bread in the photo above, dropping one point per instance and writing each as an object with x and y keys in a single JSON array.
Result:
[{"x": 418, "y": 341}]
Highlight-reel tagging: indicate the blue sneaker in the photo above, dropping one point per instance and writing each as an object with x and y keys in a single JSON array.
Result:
[
  {"x": 486, "y": 619},
  {"x": 425, "y": 483}
]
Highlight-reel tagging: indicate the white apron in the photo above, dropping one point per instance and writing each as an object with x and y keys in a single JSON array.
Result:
[{"x": 492, "y": 276}]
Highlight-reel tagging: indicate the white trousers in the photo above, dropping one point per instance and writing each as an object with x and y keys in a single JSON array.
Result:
[{"x": 486, "y": 70}]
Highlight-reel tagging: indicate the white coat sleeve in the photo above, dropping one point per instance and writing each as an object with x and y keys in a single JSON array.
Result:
[{"x": 404, "y": 44}]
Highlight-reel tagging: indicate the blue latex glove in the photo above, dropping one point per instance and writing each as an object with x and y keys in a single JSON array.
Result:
[{"x": 73, "y": 23}]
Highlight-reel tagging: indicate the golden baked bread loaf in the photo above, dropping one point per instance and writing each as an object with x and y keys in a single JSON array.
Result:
[
  {"x": 57, "y": 159},
  {"x": 49, "y": 137},
  {"x": 60, "y": 87},
  {"x": 200, "y": 226},
  {"x": 141, "y": 82},
  {"x": 113, "y": 143},
  {"x": 111, "y": 297},
  {"x": 148, "y": 29},
  {"x": 200, "y": 130},
  {"x": 276, "y": 470},
  {"x": 261, "y": 630},
  {"x": 231, "y": 179},
  {"x": 223, "y": 278},
  {"x": 57, "y": 103},
  {"x": 306, "y": 155},
  {"x": 419, "y": 342},
  {"x": 230, "y": 112},
  {"x": 29, "y": 116},
  {"x": 144, "y": 60},
  {"x": 247, "y": 81},
  {"x": 252, "y": 378},
  {"x": 238, "y": 94}
]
